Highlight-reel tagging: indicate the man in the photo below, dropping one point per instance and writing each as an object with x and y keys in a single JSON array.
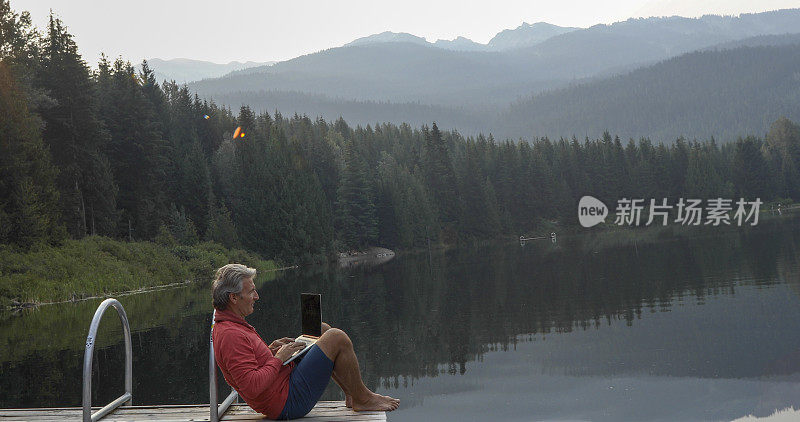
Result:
[{"x": 256, "y": 370}]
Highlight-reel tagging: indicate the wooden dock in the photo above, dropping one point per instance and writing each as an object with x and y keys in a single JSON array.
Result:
[{"x": 324, "y": 411}]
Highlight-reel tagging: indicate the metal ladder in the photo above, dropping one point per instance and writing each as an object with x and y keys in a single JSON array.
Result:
[
  {"x": 215, "y": 410},
  {"x": 88, "y": 355},
  {"x": 127, "y": 398}
]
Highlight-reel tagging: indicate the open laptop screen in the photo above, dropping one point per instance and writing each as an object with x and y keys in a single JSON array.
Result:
[{"x": 311, "y": 313}]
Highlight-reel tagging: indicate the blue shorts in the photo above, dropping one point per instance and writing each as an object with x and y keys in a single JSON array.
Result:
[{"x": 307, "y": 383}]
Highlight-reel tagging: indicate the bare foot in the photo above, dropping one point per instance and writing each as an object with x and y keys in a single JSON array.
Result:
[
  {"x": 376, "y": 402},
  {"x": 348, "y": 401}
]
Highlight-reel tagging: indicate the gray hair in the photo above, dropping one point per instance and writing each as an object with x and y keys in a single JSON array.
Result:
[{"x": 229, "y": 280}]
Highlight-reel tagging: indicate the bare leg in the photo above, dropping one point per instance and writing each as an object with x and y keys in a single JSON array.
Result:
[
  {"x": 348, "y": 399},
  {"x": 337, "y": 347}
]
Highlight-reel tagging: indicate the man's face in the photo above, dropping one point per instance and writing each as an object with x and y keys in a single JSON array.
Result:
[{"x": 242, "y": 303}]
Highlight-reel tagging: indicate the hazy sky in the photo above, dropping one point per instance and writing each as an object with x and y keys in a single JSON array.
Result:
[{"x": 260, "y": 30}]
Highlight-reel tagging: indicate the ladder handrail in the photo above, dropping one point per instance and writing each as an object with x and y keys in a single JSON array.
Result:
[
  {"x": 214, "y": 409},
  {"x": 88, "y": 355}
]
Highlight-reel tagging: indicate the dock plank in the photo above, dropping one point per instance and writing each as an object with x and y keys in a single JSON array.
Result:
[{"x": 324, "y": 411}]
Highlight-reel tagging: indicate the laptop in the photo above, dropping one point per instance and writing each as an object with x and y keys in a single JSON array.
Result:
[{"x": 311, "y": 323}]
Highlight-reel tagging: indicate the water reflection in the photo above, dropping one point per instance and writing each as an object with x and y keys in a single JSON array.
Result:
[{"x": 696, "y": 325}]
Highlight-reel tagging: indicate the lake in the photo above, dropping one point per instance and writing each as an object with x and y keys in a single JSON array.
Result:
[{"x": 694, "y": 324}]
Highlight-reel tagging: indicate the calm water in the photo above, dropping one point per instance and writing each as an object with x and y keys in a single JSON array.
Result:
[{"x": 701, "y": 325}]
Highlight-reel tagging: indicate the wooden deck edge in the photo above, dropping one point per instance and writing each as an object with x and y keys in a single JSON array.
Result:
[{"x": 324, "y": 411}]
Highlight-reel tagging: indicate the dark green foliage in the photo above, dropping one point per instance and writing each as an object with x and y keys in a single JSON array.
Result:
[
  {"x": 220, "y": 227},
  {"x": 439, "y": 175},
  {"x": 181, "y": 228},
  {"x": 19, "y": 50},
  {"x": 139, "y": 155},
  {"x": 751, "y": 177},
  {"x": 356, "y": 223},
  {"x": 276, "y": 201},
  {"x": 141, "y": 161},
  {"x": 702, "y": 180},
  {"x": 478, "y": 212},
  {"x": 75, "y": 137},
  {"x": 98, "y": 265},
  {"x": 783, "y": 150},
  {"x": 28, "y": 197},
  {"x": 405, "y": 214}
]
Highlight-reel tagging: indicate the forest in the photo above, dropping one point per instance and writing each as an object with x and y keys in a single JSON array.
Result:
[{"x": 110, "y": 151}]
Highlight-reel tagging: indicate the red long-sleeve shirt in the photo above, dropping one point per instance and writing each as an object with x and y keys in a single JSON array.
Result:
[{"x": 249, "y": 366}]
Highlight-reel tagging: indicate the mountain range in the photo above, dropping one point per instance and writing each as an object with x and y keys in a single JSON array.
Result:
[
  {"x": 188, "y": 70},
  {"x": 727, "y": 92},
  {"x": 524, "y": 35},
  {"x": 476, "y": 87}
]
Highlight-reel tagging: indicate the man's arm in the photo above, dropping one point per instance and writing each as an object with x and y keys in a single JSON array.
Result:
[{"x": 240, "y": 360}]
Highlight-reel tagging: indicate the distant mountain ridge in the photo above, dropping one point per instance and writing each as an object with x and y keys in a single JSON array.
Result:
[
  {"x": 718, "y": 92},
  {"x": 460, "y": 44},
  {"x": 388, "y": 37},
  {"x": 188, "y": 70},
  {"x": 524, "y": 35},
  {"x": 402, "y": 68},
  {"x": 724, "y": 91},
  {"x": 405, "y": 74}
]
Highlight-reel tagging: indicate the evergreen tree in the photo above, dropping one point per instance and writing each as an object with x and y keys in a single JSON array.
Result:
[
  {"x": 702, "y": 180},
  {"x": 74, "y": 135},
  {"x": 477, "y": 217},
  {"x": 141, "y": 159},
  {"x": 661, "y": 172},
  {"x": 750, "y": 171},
  {"x": 356, "y": 222},
  {"x": 440, "y": 176},
  {"x": 194, "y": 179},
  {"x": 181, "y": 227},
  {"x": 406, "y": 217},
  {"x": 220, "y": 227},
  {"x": 19, "y": 50},
  {"x": 783, "y": 145},
  {"x": 28, "y": 197},
  {"x": 679, "y": 160}
]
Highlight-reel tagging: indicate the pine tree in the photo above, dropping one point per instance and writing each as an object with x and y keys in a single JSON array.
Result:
[
  {"x": 750, "y": 169},
  {"x": 74, "y": 135},
  {"x": 356, "y": 222},
  {"x": 181, "y": 227},
  {"x": 141, "y": 158},
  {"x": 220, "y": 227},
  {"x": 19, "y": 50},
  {"x": 783, "y": 144},
  {"x": 439, "y": 175},
  {"x": 476, "y": 216},
  {"x": 28, "y": 196},
  {"x": 195, "y": 184},
  {"x": 702, "y": 180}
]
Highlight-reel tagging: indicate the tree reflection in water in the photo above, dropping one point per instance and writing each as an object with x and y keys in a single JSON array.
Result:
[{"x": 421, "y": 316}]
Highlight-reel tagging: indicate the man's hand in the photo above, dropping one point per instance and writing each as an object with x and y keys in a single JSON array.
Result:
[
  {"x": 287, "y": 350},
  {"x": 275, "y": 345}
]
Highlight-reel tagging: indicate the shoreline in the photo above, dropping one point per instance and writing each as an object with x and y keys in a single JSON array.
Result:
[
  {"x": 95, "y": 267},
  {"x": 18, "y": 306},
  {"x": 370, "y": 256}
]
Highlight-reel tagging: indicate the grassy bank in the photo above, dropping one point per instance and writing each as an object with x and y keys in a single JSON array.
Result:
[{"x": 96, "y": 266}]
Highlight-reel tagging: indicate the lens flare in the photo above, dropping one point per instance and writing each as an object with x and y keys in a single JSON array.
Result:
[
  {"x": 206, "y": 116},
  {"x": 237, "y": 132}
]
